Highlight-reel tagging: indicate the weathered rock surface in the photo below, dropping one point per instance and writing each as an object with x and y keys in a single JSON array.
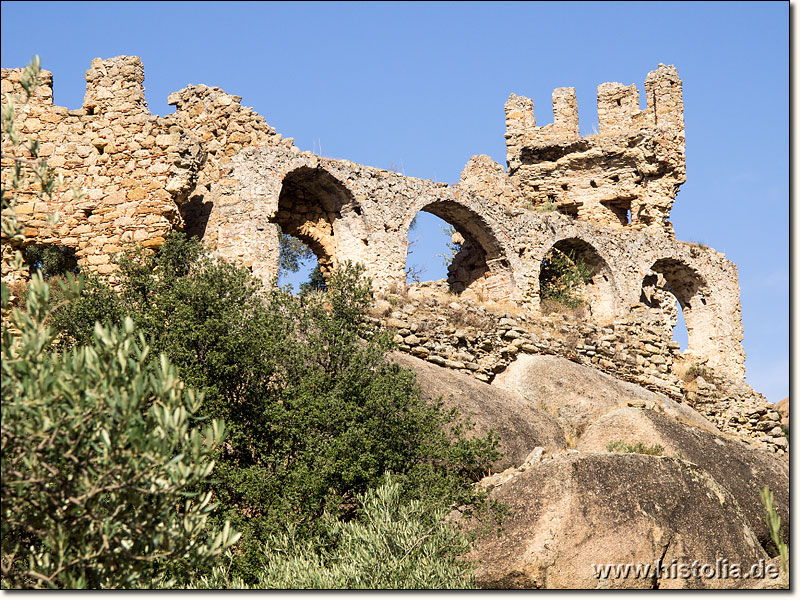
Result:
[
  {"x": 578, "y": 395},
  {"x": 783, "y": 408},
  {"x": 521, "y": 427},
  {"x": 578, "y": 510},
  {"x": 741, "y": 469}
]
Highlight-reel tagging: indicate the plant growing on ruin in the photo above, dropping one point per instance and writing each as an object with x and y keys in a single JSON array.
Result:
[
  {"x": 694, "y": 371},
  {"x": 546, "y": 206},
  {"x": 562, "y": 278}
]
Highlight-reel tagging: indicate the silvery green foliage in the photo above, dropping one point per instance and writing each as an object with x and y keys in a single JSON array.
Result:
[
  {"x": 392, "y": 545},
  {"x": 100, "y": 450}
]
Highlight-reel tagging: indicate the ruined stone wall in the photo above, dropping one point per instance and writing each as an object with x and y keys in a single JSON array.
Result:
[
  {"x": 137, "y": 170},
  {"x": 216, "y": 170},
  {"x": 483, "y": 341},
  {"x": 367, "y": 213}
]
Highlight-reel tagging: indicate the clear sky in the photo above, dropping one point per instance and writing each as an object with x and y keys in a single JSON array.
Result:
[{"x": 420, "y": 87}]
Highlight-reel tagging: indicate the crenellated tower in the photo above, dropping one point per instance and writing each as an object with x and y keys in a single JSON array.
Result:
[{"x": 625, "y": 175}]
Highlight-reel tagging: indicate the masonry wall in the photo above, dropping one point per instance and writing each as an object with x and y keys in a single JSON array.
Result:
[
  {"x": 216, "y": 170},
  {"x": 465, "y": 336},
  {"x": 137, "y": 170}
]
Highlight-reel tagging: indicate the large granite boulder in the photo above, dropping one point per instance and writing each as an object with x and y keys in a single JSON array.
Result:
[
  {"x": 520, "y": 426},
  {"x": 577, "y": 395},
  {"x": 742, "y": 469},
  {"x": 575, "y": 512}
]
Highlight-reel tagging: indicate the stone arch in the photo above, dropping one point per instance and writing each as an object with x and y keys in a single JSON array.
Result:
[
  {"x": 600, "y": 292},
  {"x": 318, "y": 209},
  {"x": 670, "y": 277},
  {"x": 481, "y": 267}
]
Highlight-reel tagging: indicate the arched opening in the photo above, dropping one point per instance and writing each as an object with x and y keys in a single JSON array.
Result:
[
  {"x": 657, "y": 293},
  {"x": 298, "y": 266},
  {"x": 316, "y": 209},
  {"x": 573, "y": 276},
  {"x": 196, "y": 213},
  {"x": 683, "y": 298},
  {"x": 448, "y": 240},
  {"x": 50, "y": 260}
]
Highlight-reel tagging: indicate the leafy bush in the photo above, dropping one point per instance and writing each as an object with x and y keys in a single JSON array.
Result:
[
  {"x": 103, "y": 453},
  {"x": 316, "y": 413},
  {"x": 50, "y": 259},
  {"x": 100, "y": 452},
  {"x": 391, "y": 545},
  {"x": 694, "y": 371},
  {"x": 637, "y": 448},
  {"x": 562, "y": 278},
  {"x": 547, "y": 206}
]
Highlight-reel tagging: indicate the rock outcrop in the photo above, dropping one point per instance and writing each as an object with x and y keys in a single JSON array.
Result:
[
  {"x": 576, "y": 395},
  {"x": 783, "y": 408},
  {"x": 742, "y": 470},
  {"x": 520, "y": 426},
  {"x": 571, "y": 514},
  {"x": 572, "y": 508}
]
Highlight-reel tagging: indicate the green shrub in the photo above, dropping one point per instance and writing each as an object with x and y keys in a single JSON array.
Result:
[
  {"x": 637, "y": 448},
  {"x": 774, "y": 525},
  {"x": 293, "y": 253},
  {"x": 546, "y": 206},
  {"x": 694, "y": 371},
  {"x": 390, "y": 545},
  {"x": 316, "y": 412},
  {"x": 100, "y": 452}
]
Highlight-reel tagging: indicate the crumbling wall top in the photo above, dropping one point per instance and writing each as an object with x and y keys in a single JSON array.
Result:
[{"x": 115, "y": 85}]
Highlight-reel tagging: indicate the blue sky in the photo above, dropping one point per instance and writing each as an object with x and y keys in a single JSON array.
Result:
[{"x": 421, "y": 87}]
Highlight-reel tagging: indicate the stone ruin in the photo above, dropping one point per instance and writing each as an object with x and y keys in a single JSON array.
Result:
[{"x": 218, "y": 171}]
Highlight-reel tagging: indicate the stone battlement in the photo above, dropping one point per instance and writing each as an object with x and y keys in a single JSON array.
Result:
[{"x": 625, "y": 175}]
